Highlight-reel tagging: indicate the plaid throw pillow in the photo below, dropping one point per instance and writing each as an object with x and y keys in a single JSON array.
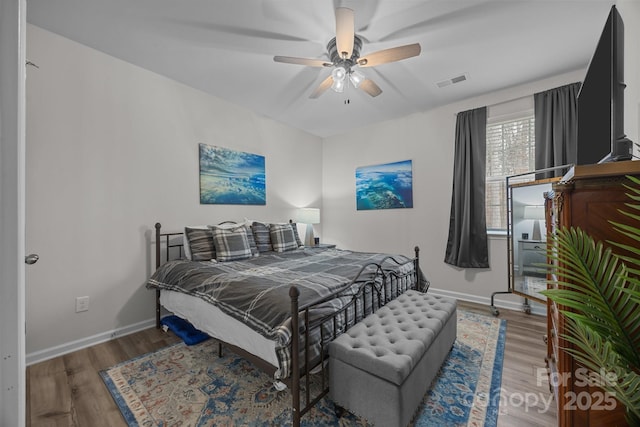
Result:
[
  {"x": 296, "y": 235},
  {"x": 200, "y": 244},
  {"x": 252, "y": 241},
  {"x": 262, "y": 236},
  {"x": 282, "y": 237},
  {"x": 231, "y": 244}
]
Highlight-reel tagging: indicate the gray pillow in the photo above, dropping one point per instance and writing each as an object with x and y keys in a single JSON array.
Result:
[
  {"x": 252, "y": 241},
  {"x": 231, "y": 244},
  {"x": 282, "y": 237},
  {"x": 200, "y": 244},
  {"x": 262, "y": 236},
  {"x": 295, "y": 233}
]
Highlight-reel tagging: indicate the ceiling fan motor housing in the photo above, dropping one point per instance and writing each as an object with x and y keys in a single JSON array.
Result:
[{"x": 338, "y": 60}]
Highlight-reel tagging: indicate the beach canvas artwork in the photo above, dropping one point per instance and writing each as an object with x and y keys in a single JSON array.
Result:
[
  {"x": 385, "y": 186},
  {"x": 230, "y": 177}
]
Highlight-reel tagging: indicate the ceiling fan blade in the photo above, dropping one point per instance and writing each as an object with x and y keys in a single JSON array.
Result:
[
  {"x": 302, "y": 61},
  {"x": 390, "y": 55},
  {"x": 326, "y": 84},
  {"x": 345, "y": 31},
  {"x": 370, "y": 87}
]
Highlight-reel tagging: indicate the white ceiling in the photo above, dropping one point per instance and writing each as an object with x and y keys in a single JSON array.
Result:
[{"x": 226, "y": 48}]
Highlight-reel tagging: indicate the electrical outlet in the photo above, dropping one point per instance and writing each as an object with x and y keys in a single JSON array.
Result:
[{"x": 82, "y": 304}]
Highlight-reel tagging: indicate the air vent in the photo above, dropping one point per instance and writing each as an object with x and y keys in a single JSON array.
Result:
[{"x": 452, "y": 80}]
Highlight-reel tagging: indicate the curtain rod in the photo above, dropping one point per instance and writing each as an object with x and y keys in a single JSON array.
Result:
[
  {"x": 498, "y": 103},
  {"x": 510, "y": 100},
  {"x": 521, "y": 97}
]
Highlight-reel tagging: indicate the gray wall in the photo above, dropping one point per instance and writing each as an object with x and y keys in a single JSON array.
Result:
[
  {"x": 111, "y": 149},
  {"x": 427, "y": 139}
]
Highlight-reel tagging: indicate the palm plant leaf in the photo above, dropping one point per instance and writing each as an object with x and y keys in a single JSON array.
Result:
[
  {"x": 599, "y": 356},
  {"x": 591, "y": 278},
  {"x": 630, "y": 231}
]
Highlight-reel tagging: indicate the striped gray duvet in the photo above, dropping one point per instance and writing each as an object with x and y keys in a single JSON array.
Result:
[{"x": 255, "y": 291}]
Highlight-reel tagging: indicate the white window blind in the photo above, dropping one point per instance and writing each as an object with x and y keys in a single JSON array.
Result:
[{"x": 510, "y": 151}]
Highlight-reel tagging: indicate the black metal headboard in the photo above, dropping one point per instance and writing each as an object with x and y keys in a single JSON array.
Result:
[{"x": 169, "y": 242}]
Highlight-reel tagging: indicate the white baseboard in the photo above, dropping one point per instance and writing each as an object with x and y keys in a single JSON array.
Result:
[
  {"x": 516, "y": 305},
  {"x": 60, "y": 350}
]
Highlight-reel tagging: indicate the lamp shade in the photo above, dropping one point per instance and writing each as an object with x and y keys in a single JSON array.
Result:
[
  {"x": 356, "y": 78},
  {"x": 338, "y": 86},
  {"x": 339, "y": 75},
  {"x": 534, "y": 212},
  {"x": 308, "y": 216}
]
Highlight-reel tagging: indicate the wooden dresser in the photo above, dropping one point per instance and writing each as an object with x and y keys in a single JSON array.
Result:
[{"x": 589, "y": 199}]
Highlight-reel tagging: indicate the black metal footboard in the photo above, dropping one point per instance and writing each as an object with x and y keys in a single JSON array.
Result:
[{"x": 375, "y": 285}]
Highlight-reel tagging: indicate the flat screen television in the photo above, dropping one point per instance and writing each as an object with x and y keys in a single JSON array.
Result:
[{"x": 601, "y": 136}]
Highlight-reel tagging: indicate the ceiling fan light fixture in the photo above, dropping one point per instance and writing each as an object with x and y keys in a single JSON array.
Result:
[
  {"x": 339, "y": 74},
  {"x": 356, "y": 78},
  {"x": 338, "y": 85}
]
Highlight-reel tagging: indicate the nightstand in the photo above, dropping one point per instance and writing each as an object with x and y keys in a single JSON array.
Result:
[
  {"x": 531, "y": 253},
  {"x": 322, "y": 246}
]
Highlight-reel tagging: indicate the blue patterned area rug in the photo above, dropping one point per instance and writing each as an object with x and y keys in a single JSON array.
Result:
[{"x": 191, "y": 386}]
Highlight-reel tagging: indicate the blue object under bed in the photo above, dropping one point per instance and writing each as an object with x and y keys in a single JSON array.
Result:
[{"x": 185, "y": 330}]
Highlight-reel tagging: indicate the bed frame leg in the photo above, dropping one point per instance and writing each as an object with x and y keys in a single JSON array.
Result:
[
  {"x": 157, "y": 309},
  {"x": 422, "y": 287},
  {"x": 294, "y": 293}
]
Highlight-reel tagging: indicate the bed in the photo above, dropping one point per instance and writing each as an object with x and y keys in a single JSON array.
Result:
[{"x": 260, "y": 293}]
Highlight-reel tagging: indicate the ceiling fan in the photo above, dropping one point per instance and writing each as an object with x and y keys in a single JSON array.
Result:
[{"x": 344, "y": 54}]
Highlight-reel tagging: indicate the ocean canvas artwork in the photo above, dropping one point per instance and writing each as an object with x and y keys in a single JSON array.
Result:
[
  {"x": 230, "y": 177},
  {"x": 386, "y": 186}
]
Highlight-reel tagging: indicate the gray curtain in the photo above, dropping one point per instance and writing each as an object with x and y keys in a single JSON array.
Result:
[
  {"x": 467, "y": 244},
  {"x": 556, "y": 133}
]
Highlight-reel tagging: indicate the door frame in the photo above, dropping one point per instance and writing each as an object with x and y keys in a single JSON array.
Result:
[{"x": 12, "y": 212}]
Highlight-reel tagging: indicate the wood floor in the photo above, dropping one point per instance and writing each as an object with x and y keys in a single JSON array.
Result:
[{"x": 68, "y": 391}]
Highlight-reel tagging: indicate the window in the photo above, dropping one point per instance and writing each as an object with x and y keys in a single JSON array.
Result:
[{"x": 510, "y": 151}]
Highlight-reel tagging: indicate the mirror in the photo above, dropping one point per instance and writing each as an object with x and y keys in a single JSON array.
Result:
[
  {"x": 528, "y": 239},
  {"x": 527, "y": 235}
]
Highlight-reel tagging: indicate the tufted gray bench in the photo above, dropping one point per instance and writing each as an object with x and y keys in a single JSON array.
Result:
[{"x": 381, "y": 368}]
